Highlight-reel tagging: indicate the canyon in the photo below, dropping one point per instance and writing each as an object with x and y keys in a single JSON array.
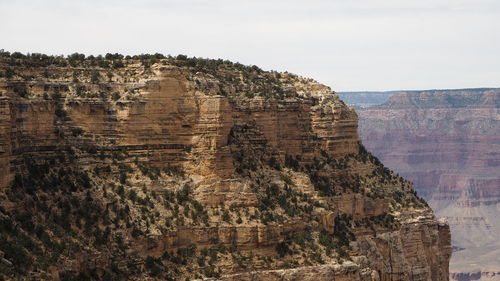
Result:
[
  {"x": 447, "y": 142},
  {"x": 175, "y": 168}
]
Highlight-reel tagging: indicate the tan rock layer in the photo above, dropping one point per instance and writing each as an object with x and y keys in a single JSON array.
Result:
[
  {"x": 175, "y": 124},
  {"x": 420, "y": 250}
]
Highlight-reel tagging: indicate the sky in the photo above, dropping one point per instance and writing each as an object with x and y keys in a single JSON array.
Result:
[{"x": 349, "y": 45}]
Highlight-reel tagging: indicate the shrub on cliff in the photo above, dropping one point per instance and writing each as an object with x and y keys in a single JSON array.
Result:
[
  {"x": 154, "y": 266},
  {"x": 20, "y": 89},
  {"x": 115, "y": 56},
  {"x": 283, "y": 249},
  {"x": 8, "y": 72},
  {"x": 225, "y": 216},
  {"x": 95, "y": 77},
  {"x": 274, "y": 163},
  {"x": 118, "y": 64},
  {"x": 291, "y": 162},
  {"x": 59, "y": 111},
  {"x": 75, "y": 59}
]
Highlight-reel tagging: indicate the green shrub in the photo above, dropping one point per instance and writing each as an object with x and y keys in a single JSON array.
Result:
[
  {"x": 95, "y": 77},
  {"x": 115, "y": 96},
  {"x": 274, "y": 163},
  {"x": 283, "y": 249},
  {"x": 9, "y": 73}
]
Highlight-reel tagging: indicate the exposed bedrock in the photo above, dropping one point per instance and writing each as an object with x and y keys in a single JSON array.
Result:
[{"x": 171, "y": 171}]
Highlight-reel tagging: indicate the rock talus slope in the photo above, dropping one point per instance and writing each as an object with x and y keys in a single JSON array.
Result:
[{"x": 166, "y": 169}]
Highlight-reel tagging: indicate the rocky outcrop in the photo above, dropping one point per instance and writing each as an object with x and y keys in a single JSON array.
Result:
[
  {"x": 401, "y": 255},
  {"x": 188, "y": 168},
  {"x": 347, "y": 271},
  {"x": 470, "y": 276},
  {"x": 409, "y": 251},
  {"x": 447, "y": 143}
]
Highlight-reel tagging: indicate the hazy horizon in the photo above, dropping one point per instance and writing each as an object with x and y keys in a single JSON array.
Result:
[
  {"x": 378, "y": 45},
  {"x": 418, "y": 90}
]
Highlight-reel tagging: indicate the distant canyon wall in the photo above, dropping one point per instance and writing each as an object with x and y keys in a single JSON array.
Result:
[{"x": 448, "y": 144}]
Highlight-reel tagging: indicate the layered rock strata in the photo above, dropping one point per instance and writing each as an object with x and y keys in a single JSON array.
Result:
[
  {"x": 448, "y": 144},
  {"x": 187, "y": 168}
]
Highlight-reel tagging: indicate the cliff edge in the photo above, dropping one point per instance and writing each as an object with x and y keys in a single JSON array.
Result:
[{"x": 154, "y": 168}]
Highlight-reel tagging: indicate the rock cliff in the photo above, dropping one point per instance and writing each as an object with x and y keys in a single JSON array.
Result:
[
  {"x": 154, "y": 168},
  {"x": 448, "y": 144}
]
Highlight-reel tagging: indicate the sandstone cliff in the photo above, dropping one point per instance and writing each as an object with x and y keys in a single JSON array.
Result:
[
  {"x": 448, "y": 144},
  {"x": 173, "y": 168}
]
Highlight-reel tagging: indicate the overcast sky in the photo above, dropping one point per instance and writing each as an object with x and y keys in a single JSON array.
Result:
[{"x": 346, "y": 44}]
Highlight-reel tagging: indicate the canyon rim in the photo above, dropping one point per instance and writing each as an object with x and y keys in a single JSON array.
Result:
[{"x": 176, "y": 168}]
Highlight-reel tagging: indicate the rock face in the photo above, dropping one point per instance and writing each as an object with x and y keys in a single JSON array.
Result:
[
  {"x": 166, "y": 169},
  {"x": 448, "y": 144}
]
